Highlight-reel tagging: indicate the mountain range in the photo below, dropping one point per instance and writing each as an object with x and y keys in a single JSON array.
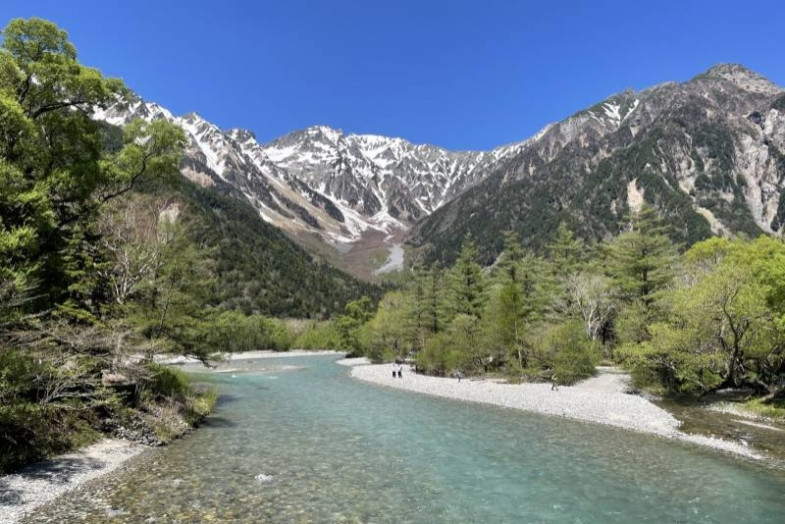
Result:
[{"x": 708, "y": 153}]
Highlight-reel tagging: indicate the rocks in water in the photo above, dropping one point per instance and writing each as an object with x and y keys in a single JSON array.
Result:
[{"x": 262, "y": 478}]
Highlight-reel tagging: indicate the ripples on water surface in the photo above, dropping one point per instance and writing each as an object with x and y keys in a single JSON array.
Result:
[{"x": 331, "y": 449}]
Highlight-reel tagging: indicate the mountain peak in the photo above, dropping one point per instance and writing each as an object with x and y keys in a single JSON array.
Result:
[
  {"x": 743, "y": 78},
  {"x": 192, "y": 117},
  {"x": 326, "y": 131},
  {"x": 241, "y": 135}
]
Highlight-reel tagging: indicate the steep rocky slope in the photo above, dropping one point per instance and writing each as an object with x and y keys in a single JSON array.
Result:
[{"x": 708, "y": 153}]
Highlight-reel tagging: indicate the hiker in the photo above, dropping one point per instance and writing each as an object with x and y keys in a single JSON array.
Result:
[
  {"x": 395, "y": 365},
  {"x": 400, "y": 370},
  {"x": 458, "y": 375},
  {"x": 553, "y": 383}
]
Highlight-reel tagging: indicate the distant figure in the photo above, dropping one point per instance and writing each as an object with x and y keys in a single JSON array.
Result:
[
  {"x": 553, "y": 383},
  {"x": 400, "y": 370},
  {"x": 395, "y": 370},
  {"x": 458, "y": 375}
]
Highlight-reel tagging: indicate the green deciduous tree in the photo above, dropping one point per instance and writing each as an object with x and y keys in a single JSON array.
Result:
[
  {"x": 358, "y": 312},
  {"x": 55, "y": 172},
  {"x": 719, "y": 330}
]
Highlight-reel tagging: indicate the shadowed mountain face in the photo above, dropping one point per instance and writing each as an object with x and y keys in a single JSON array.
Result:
[{"x": 708, "y": 153}]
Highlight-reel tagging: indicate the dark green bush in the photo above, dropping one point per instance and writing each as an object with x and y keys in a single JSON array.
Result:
[{"x": 574, "y": 354}]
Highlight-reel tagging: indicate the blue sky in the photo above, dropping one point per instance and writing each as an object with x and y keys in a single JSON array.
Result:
[{"x": 460, "y": 74}]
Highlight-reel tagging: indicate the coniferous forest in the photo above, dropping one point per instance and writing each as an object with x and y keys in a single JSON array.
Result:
[{"x": 684, "y": 322}]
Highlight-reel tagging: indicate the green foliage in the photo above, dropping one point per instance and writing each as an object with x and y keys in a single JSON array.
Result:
[
  {"x": 721, "y": 325},
  {"x": 166, "y": 382},
  {"x": 348, "y": 325},
  {"x": 459, "y": 348},
  {"x": 388, "y": 334},
  {"x": 466, "y": 282},
  {"x": 566, "y": 252},
  {"x": 260, "y": 270},
  {"x": 574, "y": 354},
  {"x": 438, "y": 357},
  {"x": 54, "y": 170},
  {"x": 31, "y": 431},
  {"x": 518, "y": 301},
  {"x": 642, "y": 258},
  {"x": 319, "y": 335},
  {"x": 64, "y": 324},
  {"x": 232, "y": 332}
]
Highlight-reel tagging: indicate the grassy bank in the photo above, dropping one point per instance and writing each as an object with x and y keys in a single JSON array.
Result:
[{"x": 49, "y": 410}]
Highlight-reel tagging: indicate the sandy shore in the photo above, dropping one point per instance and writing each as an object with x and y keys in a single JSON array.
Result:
[
  {"x": 37, "y": 484},
  {"x": 601, "y": 400}
]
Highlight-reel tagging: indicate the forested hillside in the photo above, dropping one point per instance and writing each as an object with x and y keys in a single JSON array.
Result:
[{"x": 259, "y": 269}]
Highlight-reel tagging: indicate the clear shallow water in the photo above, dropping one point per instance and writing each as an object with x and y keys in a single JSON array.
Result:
[{"x": 339, "y": 450}]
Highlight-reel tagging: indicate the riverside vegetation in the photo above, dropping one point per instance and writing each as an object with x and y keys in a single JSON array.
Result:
[
  {"x": 685, "y": 324},
  {"x": 108, "y": 257}
]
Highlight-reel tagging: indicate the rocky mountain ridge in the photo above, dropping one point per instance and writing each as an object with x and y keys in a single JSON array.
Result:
[
  {"x": 320, "y": 181},
  {"x": 708, "y": 153}
]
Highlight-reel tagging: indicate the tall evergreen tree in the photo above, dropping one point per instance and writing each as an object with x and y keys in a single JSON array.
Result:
[
  {"x": 566, "y": 252},
  {"x": 642, "y": 258},
  {"x": 435, "y": 311},
  {"x": 466, "y": 282},
  {"x": 417, "y": 306}
]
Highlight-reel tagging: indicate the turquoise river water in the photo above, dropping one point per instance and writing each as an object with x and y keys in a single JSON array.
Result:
[{"x": 333, "y": 449}]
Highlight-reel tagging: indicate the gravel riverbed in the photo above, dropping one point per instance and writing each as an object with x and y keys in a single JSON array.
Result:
[
  {"x": 40, "y": 483},
  {"x": 602, "y": 400}
]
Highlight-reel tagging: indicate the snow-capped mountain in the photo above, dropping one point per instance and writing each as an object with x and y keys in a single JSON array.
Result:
[
  {"x": 320, "y": 180},
  {"x": 709, "y": 153}
]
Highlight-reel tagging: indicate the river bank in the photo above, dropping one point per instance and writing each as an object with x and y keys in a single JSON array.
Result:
[
  {"x": 600, "y": 400},
  {"x": 315, "y": 445},
  {"x": 37, "y": 484},
  {"x": 247, "y": 355}
]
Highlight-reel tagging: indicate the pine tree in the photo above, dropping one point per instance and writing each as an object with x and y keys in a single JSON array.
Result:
[
  {"x": 466, "y": 282},
  {"x": 642, "y": 258},
  {"x": 510, "y": 258},
  {"x": 434, "y": 306},
  {"x": 566, "y": 252},
  {"x": 521, "y": 298}
]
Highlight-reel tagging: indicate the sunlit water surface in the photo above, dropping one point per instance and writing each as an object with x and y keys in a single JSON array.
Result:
[{"x": 313, "y": 445}]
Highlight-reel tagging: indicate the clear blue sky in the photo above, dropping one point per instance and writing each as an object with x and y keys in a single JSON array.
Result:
[{"x": 460, "y": 74}]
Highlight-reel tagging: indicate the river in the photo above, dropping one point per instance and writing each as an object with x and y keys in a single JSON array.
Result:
[{"x": 313, "y": 445}]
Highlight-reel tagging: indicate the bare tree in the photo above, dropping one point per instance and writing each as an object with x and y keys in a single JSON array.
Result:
[
  {"x": 590, "y": 300},
  {"x": 135, "y": 233}
]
